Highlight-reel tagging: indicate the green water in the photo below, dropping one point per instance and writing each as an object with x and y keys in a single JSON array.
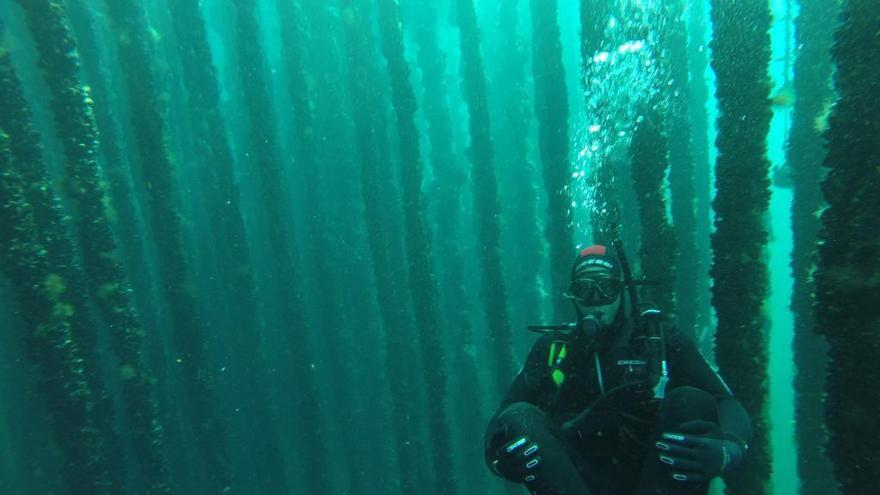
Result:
[{"x": 332, "y": 243}]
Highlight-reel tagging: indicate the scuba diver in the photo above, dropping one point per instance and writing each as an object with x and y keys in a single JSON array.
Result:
[{"x": 617, "y": 403}]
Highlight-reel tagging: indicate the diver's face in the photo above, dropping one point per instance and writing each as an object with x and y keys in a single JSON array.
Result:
[{"x": 596, "y": 293}]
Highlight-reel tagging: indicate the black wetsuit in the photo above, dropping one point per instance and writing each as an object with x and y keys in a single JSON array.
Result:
[{"x": 610, "y": 451}]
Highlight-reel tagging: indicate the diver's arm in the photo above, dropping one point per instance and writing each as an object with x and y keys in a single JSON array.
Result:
[{"x": 735, "y": 422}]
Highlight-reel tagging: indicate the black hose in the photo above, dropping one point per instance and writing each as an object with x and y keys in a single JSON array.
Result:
[{"x": 627, "y": 278}]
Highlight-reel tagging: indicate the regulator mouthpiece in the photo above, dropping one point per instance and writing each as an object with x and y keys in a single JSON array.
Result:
[{"x": 592, "y": 325}]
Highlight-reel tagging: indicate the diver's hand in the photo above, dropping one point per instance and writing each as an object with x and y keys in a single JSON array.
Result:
[
  {"x": 518, "y": 460},
  {"x": 694, "y": 452}
]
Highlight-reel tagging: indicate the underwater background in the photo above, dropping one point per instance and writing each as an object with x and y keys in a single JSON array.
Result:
[{"x": 280, "y": 246}]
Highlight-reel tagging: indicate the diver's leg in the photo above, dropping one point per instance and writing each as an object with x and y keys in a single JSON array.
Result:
[
  {"x": 681, "y": 404},
  {"x": 541, "y": 462}
]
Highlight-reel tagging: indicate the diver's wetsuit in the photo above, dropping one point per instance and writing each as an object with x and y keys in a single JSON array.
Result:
[{"x": 611, "y": 450}]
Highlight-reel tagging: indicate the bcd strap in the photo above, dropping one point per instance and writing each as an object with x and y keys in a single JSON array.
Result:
[{"x": 554, "y": 359}]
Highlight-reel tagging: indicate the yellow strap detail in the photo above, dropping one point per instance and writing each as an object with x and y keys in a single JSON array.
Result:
[{"x": 552, "y": 352}]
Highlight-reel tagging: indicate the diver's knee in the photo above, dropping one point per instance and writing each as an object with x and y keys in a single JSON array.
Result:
[
  {"x": 689, "y": 403},
  {"x": 690, "y": 396},
  {"x": 687, "y": 392},
  {"x": 522, "y": 417},
  {"x": 519, "y": 418}
]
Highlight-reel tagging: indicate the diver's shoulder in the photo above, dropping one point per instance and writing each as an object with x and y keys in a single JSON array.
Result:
[
  {"x": 540, "y": 347},
  {"x": 545, "y": 340}
]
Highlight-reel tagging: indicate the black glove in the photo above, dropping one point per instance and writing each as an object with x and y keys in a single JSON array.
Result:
[
  {"x": 696, "y": 452},
  {"x": 518, "y": 460}
]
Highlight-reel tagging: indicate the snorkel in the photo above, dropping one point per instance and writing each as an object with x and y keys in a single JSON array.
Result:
[{"x": 625, "y": 269}]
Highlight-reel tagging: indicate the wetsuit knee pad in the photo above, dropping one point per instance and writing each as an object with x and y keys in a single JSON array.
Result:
[
  {"x": 522, "y": 418},
  {"x": 688, "y": 404}
]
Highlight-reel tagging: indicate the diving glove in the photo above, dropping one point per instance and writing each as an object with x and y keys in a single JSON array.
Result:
[
  {"x": 518, "y": 460},
  {"x": 697, "y": 451}
]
